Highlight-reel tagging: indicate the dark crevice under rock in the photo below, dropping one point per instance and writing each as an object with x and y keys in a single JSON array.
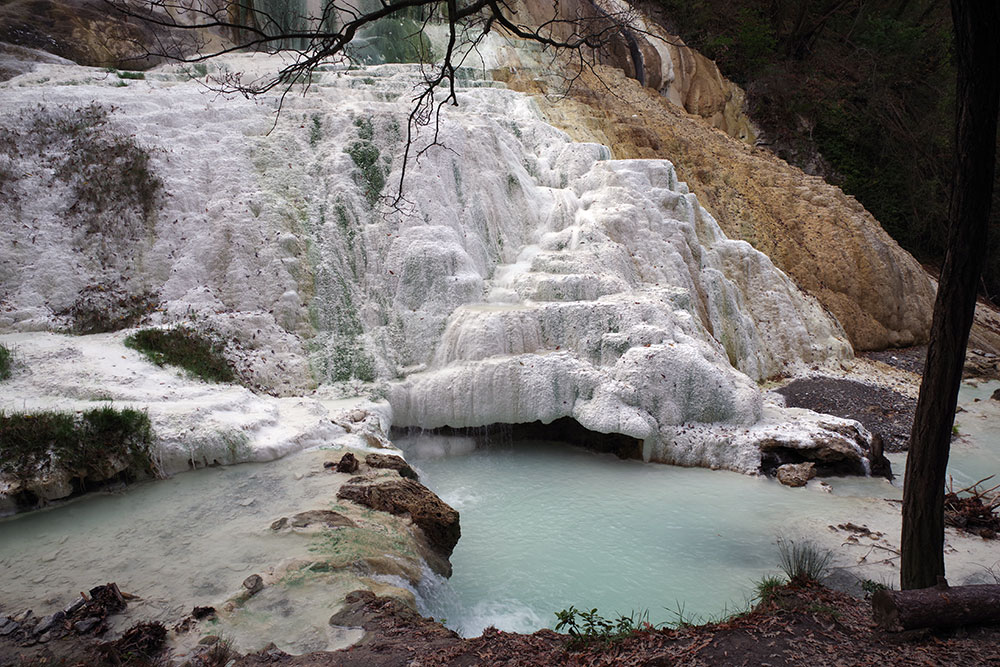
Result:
[{"x": 564, "y": 429}]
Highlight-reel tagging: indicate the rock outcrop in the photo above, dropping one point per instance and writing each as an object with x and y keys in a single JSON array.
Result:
[
  {"x": 657, "y": 60},
  {"x": 825, "y": 240},
  {"x": 840, "y": 450},
  {"x": 88, "y": 32},
  {"x": 391, "y": 462},
  {"x": 438, "y": 521}
]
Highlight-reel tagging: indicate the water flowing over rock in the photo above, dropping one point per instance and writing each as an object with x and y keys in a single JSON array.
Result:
[
  {"x": 824, "y": 239},
  {"x": 524, "y": 277}
]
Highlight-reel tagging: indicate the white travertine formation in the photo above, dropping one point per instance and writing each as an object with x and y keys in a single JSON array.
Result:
[{"x": 522, "y": 277}]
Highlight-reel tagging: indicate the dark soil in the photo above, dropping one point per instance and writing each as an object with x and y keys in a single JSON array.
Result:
[
  {"x": 803, "y": 624},
  {"x": 882, "y": 411},
  {"x": 907, "y": 358}
]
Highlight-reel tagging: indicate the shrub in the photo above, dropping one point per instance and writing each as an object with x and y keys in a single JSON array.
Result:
[
  {"x": 803, "y": 561},
  {"x": 220, "y": 654},
  {"x": 584, "y": 627},
  {"x": 113, "y": 184},
  {"x": 870, "y": 587},
  {"x": 5, "y": 361},
  {"x": 372, "y": 166},
  {"x": 91, "y": 444},
  {"x": 186, "y": 348}
]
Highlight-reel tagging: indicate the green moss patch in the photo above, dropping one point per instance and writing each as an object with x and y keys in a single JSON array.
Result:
[
  {"x": 186, "y": 348},
  {"x": 5, "y": 361},
  {"x": 95, "y": 444}
]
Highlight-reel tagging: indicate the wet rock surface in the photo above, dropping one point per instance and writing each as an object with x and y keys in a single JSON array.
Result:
[
  {"x": 253, "y": 584},
  {"x": 395, "y": 635},
  {"x": 391, "y": 462},
  {"x": 327, "y": 518},
  {"x": 837, "y": 450},
  {"x": 881, "y": 411},
  {"x": 437, "y": 520},
  {"x": 796, "y": 474},
  {"x": 348, "y": 463}
]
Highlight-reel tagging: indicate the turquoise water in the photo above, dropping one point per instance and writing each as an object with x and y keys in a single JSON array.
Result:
[
  {"x": 547, "y": 525},
  {"x": 544, "y": 526}
]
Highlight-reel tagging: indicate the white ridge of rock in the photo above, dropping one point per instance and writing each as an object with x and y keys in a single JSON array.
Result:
[
  {"x": 195, "y": 423},
  {"x": 527, "y": 277}
]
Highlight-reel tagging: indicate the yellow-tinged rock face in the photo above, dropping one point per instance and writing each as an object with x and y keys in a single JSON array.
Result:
[
  {"x": 656, "y": 59},
  {"x": 824, "y": 239}
]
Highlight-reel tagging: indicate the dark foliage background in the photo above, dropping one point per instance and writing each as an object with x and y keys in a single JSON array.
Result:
[{"x": 861, "y": 93}]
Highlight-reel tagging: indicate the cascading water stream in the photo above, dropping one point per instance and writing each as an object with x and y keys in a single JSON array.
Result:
[{"x": 528, "y": 278}]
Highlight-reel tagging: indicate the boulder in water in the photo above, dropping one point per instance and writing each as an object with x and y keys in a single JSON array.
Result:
[{"x": 796, "y": 474}]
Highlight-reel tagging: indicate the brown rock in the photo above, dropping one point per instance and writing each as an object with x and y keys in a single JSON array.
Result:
[
  {"x": 328, "y": 518},
  {"x": 437, "y": 520},
  {"x": 659, "y": 61},
  {"x": 395, "y": 633},
  {"x": 838, "y": 451},
  {"x": 202, "y": 612},
  {"x": 348, "y": 463},
  {"x": 254, "y": 584},
  {"x": 90, "y": 33},
  {"x": 391, "y": 462},
  {"x": 796, "y": 474}
]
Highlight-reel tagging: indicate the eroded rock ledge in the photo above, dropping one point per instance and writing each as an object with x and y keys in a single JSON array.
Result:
[{"x": 436, "y": 519}]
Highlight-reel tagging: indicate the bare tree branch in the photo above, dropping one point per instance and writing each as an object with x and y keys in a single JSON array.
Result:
[{"x": 222, "y": 27}]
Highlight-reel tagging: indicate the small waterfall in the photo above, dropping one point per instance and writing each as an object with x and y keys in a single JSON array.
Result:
[{"x": 525, "y": 277}]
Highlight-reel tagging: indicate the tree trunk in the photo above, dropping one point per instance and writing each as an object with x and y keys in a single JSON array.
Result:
[
  {"x": 978, "y": 52},
  {"x": 938, "y": 607}
]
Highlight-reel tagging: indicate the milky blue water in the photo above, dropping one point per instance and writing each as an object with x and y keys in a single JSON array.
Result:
[
  {"x": 544, "y": 526},
  {"x": 547, "y": 525}
]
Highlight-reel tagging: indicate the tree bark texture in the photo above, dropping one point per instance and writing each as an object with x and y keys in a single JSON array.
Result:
[
  {"x": 977, "y": 50},
  {"x": 938, "y": 607}
]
